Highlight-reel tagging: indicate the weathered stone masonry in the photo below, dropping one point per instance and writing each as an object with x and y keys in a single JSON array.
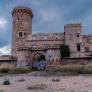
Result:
[{"x": 25, "y": 44}]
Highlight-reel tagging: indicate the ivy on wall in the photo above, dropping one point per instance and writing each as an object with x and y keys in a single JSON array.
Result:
[{"x": 64, "y": 50}]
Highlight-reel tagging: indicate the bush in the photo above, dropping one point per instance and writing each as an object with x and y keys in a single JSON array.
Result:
[
  {"x": 71, "y": 69},
  {"x": 4, "y": 70},
  {"x": 6, "y": 82},
  {"x": 20, "y": 70},
  {"x": 15, "y": 70},
  {"x": 64, "y": 51}
]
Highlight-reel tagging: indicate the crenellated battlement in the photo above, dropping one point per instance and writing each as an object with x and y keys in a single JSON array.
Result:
[
  {"x": 21, "y": 11},
  {"x": 73, "y": 25}
]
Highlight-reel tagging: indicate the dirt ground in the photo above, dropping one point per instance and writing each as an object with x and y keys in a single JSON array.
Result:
[{"x": 30, "y": 83}]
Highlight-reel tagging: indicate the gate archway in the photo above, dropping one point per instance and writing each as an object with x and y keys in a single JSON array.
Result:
[
  {"x": 38, "y": 56},
  {"x": 39, "y": 61}
]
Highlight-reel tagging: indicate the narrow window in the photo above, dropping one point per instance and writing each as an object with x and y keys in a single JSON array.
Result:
[
  {"x": 78, "y": 47},
  {"x": 18, "y": 18},
  {"x": 64, "y": 33}
]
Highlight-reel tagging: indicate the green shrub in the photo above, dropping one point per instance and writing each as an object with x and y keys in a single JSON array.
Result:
[{"x": 64, "y": 50}]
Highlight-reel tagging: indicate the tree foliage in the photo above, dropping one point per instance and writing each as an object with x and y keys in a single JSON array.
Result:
[{"x": 64, "y": 50}]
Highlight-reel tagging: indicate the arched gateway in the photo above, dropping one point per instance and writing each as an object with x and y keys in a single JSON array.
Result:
[{"x": 39, "y": 60}]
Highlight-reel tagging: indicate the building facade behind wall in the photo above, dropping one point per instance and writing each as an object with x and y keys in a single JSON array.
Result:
[{"x": 25, "y": 45}]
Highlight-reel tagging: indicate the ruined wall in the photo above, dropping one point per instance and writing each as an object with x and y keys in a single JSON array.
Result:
[{"x": 81, "y": 60}]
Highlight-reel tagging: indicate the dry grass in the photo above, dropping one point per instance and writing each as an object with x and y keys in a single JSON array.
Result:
[
  {"x": 37, "y": 87},
  {"x": 72, "y": 69}
]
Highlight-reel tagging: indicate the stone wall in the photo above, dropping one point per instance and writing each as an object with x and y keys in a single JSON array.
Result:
[{"x": 81, "y": 60}]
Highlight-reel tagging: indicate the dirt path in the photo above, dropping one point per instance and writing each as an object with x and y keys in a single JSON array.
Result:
[{"x": 29, "y": 83}]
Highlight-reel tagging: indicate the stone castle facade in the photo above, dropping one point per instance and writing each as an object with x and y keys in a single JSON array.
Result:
[{"x": 27, "y": 46}]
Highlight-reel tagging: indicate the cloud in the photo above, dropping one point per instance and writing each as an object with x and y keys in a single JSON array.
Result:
[
  {"x": 6, "y": 50},
  {"x": 3, "y": 23},
  {"x": 49, "y": 15},
  {"x": 48, "y": 20},
  {"x": 35, "y": 2},
  {"x": 87, "y": 24}
]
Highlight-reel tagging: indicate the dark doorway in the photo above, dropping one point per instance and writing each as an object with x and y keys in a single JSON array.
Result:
[
  {"x": 78, "y": 47},
  {"x": 39, "y": 61}
]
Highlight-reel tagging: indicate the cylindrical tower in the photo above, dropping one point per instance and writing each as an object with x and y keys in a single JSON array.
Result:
[{"x": 22, "y": 27}]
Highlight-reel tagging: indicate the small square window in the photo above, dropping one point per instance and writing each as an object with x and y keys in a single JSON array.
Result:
[
  {"x": 78, "y": 35},
  {"x": 86, "y": 49}
]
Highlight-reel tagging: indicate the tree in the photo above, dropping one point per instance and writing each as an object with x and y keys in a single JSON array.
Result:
[{"x": 64, "y": 50}]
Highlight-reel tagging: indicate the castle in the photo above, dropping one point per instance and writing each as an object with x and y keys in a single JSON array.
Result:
[{"x": 27, "y": 46}]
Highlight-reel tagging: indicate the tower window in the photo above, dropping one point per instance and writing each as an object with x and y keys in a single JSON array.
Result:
[
  {"x": 78, "y": 35},
  {"x": 18, "y": 18},
  {"x": 78, "y": 47},
  {"x": 86, "y": 49},
  {"x": 20, "y": 34}
]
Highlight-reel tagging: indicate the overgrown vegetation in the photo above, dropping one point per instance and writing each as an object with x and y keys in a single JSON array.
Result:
[
  {"x": 53, "y": 70},
  {"x": 37, "y": 87},
  {"x": 20, "y": 70},
  {"x": 71, "y": 69},
  {"x": 4, "y": 71},
  {"x": 64, "y": 50}
]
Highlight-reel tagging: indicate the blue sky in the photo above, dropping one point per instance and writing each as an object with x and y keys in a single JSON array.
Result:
[{"x": 49, "y": 16}]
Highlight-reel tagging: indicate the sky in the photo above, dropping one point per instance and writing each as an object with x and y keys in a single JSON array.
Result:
[{"x": 49, "y": 16}]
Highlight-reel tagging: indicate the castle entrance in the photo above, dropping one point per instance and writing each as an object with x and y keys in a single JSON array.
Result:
[{"x": 39, "y": 61}]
